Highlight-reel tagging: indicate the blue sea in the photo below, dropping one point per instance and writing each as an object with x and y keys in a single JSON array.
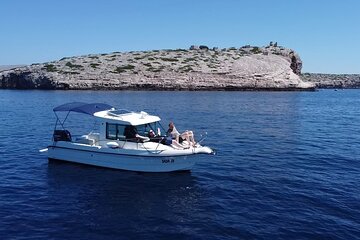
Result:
[{"x": 287, "y": 166}]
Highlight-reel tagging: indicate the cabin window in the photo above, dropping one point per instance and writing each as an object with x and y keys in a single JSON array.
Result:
[
  {"x": 114, "y": 131},
  {"x": 111, "y": 131}
]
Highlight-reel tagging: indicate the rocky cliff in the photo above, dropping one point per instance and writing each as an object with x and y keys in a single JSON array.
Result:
[
  {"x": 332, "y": 80},
  {"x": 199, "y": 68}
]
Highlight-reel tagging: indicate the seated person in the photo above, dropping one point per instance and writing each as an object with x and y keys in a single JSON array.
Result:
[
  {"x": 172, "y": 142},
  {"x": 151, "y": 134},
  {"x": 153, "y": 137},
  {"x": 187, "y": 135},
  {"x": 130, "y": 133}
]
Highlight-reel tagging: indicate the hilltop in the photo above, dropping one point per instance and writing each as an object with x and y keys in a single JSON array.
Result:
[{"x": 270, "y": 67}]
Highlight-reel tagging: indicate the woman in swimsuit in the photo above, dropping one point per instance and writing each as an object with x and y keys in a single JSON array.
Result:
[{"x": 187, "y": 135}]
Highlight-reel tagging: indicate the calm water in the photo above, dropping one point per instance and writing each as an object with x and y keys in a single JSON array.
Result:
[{"x": 287, "y": 167}]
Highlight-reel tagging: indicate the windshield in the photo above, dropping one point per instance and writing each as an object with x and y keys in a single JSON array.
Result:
[{"x": 145, "y": 128}]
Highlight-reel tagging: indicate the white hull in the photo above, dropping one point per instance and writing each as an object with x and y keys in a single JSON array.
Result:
[{"x": 122, "y": 158}]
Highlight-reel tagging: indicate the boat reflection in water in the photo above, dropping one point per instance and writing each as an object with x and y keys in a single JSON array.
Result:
[{"x": 98, "y": 195}]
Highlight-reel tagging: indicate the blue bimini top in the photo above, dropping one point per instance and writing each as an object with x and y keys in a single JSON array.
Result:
[{"x": 80, "y": 107}]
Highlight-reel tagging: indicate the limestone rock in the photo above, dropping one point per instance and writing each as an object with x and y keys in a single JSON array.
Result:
[
  {"x": 332, "y": 80},
  {"x": 249, "y": 68}
]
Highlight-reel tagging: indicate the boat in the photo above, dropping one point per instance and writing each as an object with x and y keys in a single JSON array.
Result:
[{"x": 111, "y": 147}]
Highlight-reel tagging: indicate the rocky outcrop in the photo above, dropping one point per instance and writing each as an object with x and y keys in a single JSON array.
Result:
[
  {"x": 332, "y": 80},
  {"x": 199, "y": 68},
  {"x": 296, "y": 63}
]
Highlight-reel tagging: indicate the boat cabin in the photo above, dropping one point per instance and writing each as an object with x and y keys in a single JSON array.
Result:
[{"x": 123, "y": 125}]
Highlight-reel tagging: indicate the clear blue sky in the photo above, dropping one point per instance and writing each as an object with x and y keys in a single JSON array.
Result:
[{"x": 326, "y": 33}]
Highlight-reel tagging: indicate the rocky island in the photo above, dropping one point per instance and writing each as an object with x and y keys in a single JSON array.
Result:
[{"x": 270, "y": 67}]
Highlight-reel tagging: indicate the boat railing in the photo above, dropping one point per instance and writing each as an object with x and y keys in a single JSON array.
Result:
[
  {"x": 123, "y": 142},
  {"x": 92, "y": 139}
]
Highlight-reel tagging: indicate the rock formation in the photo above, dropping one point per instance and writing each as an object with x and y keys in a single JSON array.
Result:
[
  {"x": 199, "y": 68},
  {"x": 332, "y": 80}
]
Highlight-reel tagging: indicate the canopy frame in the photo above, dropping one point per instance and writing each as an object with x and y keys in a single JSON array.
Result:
[{"x": 79, "y": 107}]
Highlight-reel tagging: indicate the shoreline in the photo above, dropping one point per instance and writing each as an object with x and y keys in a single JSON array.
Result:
[
  {"x": 332, "y": 81},
  {"x": 176, "y": 89}
]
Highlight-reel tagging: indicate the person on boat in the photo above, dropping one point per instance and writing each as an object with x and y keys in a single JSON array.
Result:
[
  {"x": 167, "y": 140},
  {"x": 187, "y": 135},
  {"x": 151, "y": 134},
  {"x": 153, "y": 137},
  {"x": 131, "y": 133}
]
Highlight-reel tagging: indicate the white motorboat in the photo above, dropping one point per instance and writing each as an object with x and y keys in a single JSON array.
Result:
[{"x": 111, "y": 146}]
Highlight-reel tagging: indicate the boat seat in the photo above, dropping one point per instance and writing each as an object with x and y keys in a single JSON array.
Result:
[
  {"x": 62, "y": 135},
  {"x": 84, "y": 139},
  {"x": 140, "y": 139},
  {"x": 94, "y": 136}
]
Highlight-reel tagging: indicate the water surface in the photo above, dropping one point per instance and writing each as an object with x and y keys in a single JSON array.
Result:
[{"x": 287, "y": 167}]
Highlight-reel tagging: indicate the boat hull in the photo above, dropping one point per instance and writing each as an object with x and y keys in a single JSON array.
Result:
[{"x": 123, "y": 161}]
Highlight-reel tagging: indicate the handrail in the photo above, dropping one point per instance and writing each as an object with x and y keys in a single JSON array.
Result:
[
  {"x": 127, "y": 140},
  {"x": 202, "y": 137}
]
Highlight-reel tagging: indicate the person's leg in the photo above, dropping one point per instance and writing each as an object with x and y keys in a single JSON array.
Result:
[
  {"x": 177, "y": 144},
  {"x": 185, "y": 136},
  {"x": 191, "y": 138}
]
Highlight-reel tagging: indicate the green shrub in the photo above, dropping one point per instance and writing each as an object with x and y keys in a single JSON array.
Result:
[
  {"x": 70, "y": 65},
  {"x": 67, "y": 72},
  {"x": 50, "y": 68},
  {"x": 124, "y": 68},
  {"x": 256, "y": 50},
  {"x": 186, "y": 68},
  {"x": 94, "y": 65},
  {"x": 189, "y": 60},
  {"x": 169, "y": 59},
  {"x": 151, "y": 69},
  {"x": 180, "y": 50}
]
